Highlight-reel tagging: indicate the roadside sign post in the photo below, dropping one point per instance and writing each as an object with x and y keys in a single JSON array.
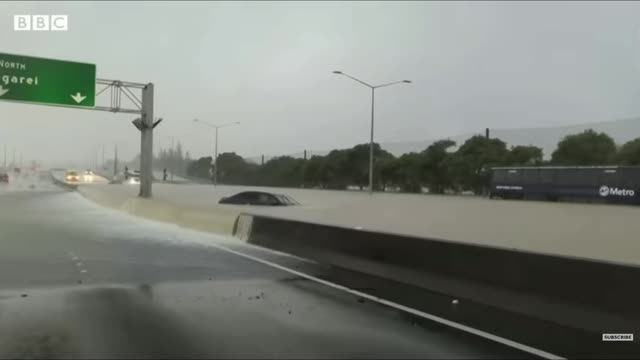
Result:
[{"x": 72, "y": 84}]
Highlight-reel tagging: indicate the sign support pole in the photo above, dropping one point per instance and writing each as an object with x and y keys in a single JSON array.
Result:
[{"x": 146, "y": 142}]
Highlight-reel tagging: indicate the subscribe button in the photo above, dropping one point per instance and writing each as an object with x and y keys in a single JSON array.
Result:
[{"x": 617, "y": 337}]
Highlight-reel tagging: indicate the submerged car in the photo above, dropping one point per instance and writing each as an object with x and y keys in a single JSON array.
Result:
[
  {"x": 258, "y": 198},
  {"x": 72, "y": 176},
  {"x": 4, "y": 178}
]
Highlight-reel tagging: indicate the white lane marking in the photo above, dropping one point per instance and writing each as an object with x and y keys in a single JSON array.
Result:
[
  {"x": 75, "y": 258},
  {"x": 275, "y": 252},
  {"x": 83, "y": 271},
  {"x": 79, "y": 264},
  {"x": 486, "y": 335}
]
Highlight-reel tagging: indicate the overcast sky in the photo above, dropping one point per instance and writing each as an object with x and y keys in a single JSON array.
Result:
[{"x": 268, "y": 65}]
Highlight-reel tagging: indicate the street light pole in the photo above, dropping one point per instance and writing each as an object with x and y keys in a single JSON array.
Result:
[
  {"x": 215, "y": 160},
  {"x": 215, "y": 151},
  {"x": 373, "y": 97},
  {"x": 115, "y": 161},
  {"x": 173, "y": 156}
]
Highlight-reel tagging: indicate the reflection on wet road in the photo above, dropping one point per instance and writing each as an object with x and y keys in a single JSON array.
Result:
[{"x": 79, "y": 281}]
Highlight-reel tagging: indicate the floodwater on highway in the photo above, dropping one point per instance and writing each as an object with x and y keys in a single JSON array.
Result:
[{"x": 81, "y": 281}]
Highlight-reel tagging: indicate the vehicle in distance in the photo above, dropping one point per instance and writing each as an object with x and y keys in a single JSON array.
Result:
[
  {"x": 72, "y": 176},
  {"x": 88, "y": 176},
  {"x": 134, "y": 177},
  {"x": 602, "y": 184},
  {"x": 258, "y": 198},
  {"x": 4, "y": 178}
]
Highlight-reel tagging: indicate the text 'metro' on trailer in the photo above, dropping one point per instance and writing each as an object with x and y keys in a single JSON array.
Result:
[{"x": 608, "y": 184}]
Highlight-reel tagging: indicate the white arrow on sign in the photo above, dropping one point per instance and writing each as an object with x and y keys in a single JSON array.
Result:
[
  {"x": 3, "y": 91},
  {"x": 78, "y": 97}
]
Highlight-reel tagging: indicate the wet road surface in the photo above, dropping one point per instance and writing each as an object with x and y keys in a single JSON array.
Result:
[{"x": 81, "y": 281}]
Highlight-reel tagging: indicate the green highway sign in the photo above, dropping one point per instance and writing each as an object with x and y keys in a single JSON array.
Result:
[{"x": 46, "y": 81}]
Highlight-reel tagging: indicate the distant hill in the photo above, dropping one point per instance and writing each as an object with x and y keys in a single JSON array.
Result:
[
  {"x": 545, "y": 137},
  {"x": 298, "y": 155}
]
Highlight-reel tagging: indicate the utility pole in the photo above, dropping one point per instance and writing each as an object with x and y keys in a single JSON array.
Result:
[
  {"x": 5, "y": 156},
  {"x": 14, "y": 157},
  {"x": 215, "y": 161},
  {"x": 103, "y": 148},
  {"x": 115, "y": 162}
]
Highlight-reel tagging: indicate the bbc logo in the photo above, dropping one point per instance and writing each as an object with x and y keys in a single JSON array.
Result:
[{"x": 40, "y": 22}]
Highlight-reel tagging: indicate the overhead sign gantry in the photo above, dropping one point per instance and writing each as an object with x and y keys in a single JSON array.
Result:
[{"x": 73, "y": 84}]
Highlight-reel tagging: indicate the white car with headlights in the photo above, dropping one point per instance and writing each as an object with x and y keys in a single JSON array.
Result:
[
  {"x": 134, "y": 177},
  {"x": 87, "y": 176},
  {"x": 71, "y": 176}
]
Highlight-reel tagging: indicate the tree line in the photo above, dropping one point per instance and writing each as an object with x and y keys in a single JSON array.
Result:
[
  {"x": 174, "y": 159},
  {"x": 439, "y": 168}
]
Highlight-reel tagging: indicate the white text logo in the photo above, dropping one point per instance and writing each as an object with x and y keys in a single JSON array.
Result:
[
  {"x": 614, "y": 191},
  {"x": 40, "y": 22}
]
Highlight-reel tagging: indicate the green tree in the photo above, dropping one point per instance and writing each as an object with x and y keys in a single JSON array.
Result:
[
  {"x": 525, "y": 155},
  {"x": 337, "y": 169},
  {"x": 233, "y": 169},
  {"x": 200, "y": 168},
  {"x": 629, "y": 153},
  {"x": 388, "y": 173},
  {"x": 355, "y": 164},
  {"x": 281, "y": 171},
  {"x": 473, "y": 160},
  {"x": 586, "y": 148},
  {"x": 408, "y": 172},
  {"x": 436, "y": 166},
  {"x": 316, "y": 172}
]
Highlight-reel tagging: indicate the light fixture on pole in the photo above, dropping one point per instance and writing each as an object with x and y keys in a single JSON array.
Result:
[
  {"x": 373, "y": 94},
  {"x": 215, "y": 155}
]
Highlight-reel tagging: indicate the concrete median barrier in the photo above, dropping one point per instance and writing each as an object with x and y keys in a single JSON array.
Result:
[
  {"x": 557, "y": 288},
  {"x": 57, "y": 176},
  {"x": 218, "y": 220}
]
